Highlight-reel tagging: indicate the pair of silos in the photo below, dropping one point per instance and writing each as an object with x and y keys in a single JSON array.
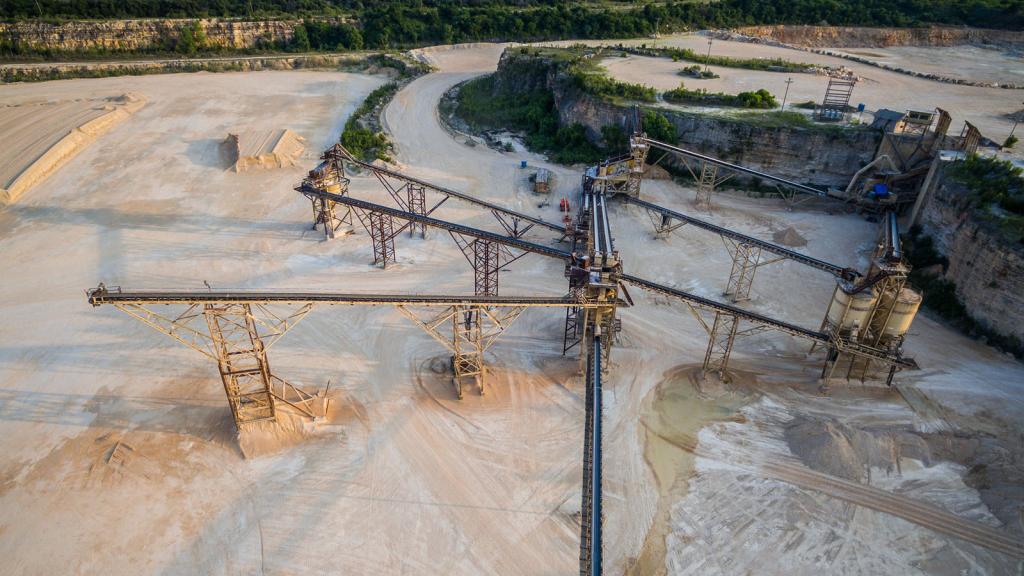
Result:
[{"x": 886, "y": 315}]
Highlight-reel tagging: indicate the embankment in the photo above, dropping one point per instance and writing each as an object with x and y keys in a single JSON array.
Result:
[
  {"x": 823, "y": 155},
  {"x": 860, "y": 37},
  {"x": 77, "y": 138},
  {"x": 84, "y": 36},
  {"x": 987, "y": 270}
]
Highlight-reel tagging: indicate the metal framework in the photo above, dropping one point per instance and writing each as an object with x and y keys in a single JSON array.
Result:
[
  {"x": 969, "y": 138},
  {"x": 328, "y": 175},
  {"x": 238, "y": 327},
  {"x": 837, "y": 99}
]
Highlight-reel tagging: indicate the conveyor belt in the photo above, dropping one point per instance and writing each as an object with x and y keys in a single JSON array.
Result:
[
  {"x": 442, "y": 224},
  {"x": 454, "y": 194},
  {"x": 594, "y": 381},
  {"x": 99, "y": 296},
  {"x": 726, "y": 308},
  {"x": 764, "y": 175},
  {"x": 833, "y": 269}
]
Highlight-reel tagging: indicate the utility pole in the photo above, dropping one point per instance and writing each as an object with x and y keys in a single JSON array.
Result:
[
  {"x": 786, "y": 95},
  {"x": 707, "y": 61},
  {"x": 1016, "y": 120}
]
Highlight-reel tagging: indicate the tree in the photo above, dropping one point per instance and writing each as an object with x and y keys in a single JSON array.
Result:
[
  {"x": 300, "y": 39},
  {"x": 657, "y": 127}
]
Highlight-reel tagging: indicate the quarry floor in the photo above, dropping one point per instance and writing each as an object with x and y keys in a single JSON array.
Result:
[{"x": 402, "y": 478}]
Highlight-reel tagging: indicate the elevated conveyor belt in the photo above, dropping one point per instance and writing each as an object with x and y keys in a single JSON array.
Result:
[
  {"x": 509, "y": 241},
  {"x": 726, "y": 308},
  {"x": 113, "y": 295},
  {"x": 763, "y": 175},
  {"x": 834, "y": 269},
  {"x": 454, "y": 194}
]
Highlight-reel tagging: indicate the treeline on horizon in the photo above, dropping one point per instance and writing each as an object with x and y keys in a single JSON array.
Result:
[{"x": 397, "y": 23}]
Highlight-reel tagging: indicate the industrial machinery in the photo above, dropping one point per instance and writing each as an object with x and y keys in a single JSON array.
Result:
[{"x": 864, "y": 326}]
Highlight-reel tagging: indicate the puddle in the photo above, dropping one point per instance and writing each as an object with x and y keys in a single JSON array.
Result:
[{"x": 672, "y": 414}]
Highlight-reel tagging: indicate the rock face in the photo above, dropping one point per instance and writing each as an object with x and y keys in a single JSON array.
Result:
[
  {"x": 823, "y": 157},
  {"x": 987, "y": 270},
  {"x": 854, "y": 37},
  {"x": 129, "y": 35}
]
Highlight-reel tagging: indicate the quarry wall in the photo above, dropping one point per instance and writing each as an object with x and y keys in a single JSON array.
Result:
[
  {"x": 817, "y": 156},
  {"x": 988, "y": 271},
  {"x": 859, "y": 37},
  {"x": 128, "y": 35}
]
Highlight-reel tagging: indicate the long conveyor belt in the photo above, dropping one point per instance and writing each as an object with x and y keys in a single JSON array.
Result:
[
  {"x": 113, "y": 295},
  {"x": 763, "y": 175},
  {"x": 726, "y": 308},
  {"x": 829, "y": 267},
  {"x": 455, "y": 194},
  {"x": 510, "y": 241}
]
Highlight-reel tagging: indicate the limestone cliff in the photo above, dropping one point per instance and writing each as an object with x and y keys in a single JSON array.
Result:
[
  {"x": 988, "y": 271},
  {"x": 142, "y": 35},
  {"x": 856, "y": 37}
]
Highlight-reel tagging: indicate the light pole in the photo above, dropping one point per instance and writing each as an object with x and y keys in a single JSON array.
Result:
[
  {"x": 1016, "y": 120},
  {"x": 786, "y": 95},
  {"x": 707, "y": 60}
]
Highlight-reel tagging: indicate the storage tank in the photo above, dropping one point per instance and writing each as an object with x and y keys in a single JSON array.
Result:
[
  {"x": 850, "y": 310},
  {"x": 895, "y": 324}
]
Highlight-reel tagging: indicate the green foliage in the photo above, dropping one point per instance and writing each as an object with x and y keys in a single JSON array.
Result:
[
  {"x": 761, "y": 99},
  {"x": 686, "y": 54},
  {"x": 809, "y": 105},
  {"x": 1011, "y": 141},
  {"x": 658, "y": 127},
  {"x": 407, "y": 22},
  {"x": 532, "y": 113},
  {"x": 359, "y": 139},
  {"x": 696, "y": 71},
  {"x": 300, "y": 39},
  {"x": 991, "y": 182},
  {"x": 599, "y": 84}
]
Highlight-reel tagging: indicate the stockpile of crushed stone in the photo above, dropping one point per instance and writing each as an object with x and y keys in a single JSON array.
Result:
[{"x": 789, "y": 237}]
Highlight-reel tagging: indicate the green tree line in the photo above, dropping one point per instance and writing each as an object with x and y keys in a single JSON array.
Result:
[{"x": 396, "y": 23}]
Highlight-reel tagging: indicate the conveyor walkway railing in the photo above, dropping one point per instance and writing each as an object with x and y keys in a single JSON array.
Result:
[{"x": 834, "y": 269}]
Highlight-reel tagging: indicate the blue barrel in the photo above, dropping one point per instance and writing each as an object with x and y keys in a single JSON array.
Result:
[
  {"x": 522, "y": 164},
  {"x": 881, "y": 191}
]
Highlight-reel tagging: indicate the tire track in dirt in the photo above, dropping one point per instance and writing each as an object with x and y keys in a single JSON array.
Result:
[{"x": 784, "y": 468}]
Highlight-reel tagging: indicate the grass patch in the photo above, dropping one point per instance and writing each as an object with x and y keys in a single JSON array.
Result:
[{"x": 760, "y": 99}]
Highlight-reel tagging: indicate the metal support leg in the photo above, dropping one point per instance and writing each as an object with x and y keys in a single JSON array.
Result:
[
  {"x": 467, "y": 342},
  {"x": 573, "y": 329},
  {"x": 706, "y": 185},
  {"x": 745, "y": 260},
  {"x": 417, "y": 205},
  {"x": 382, "y": 234},
  {"x": 722, "y": 337},
  {"x": 485, "y": 267},
  {"x": 242, "y": 360}
]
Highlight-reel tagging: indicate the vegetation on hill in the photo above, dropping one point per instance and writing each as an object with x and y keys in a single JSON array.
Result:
[
  {"x": 362, "y": 135},
  {"x": 395, "y": 23},
  {"x": 996, "y": 193},
  {"x": 761, "y": 99}
]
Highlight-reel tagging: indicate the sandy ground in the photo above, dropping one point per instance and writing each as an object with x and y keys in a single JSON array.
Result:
[
  {"x": 986, "y": 108},
  {"x": 404, "y": 478},
  {"x": 980, "y": 64}
]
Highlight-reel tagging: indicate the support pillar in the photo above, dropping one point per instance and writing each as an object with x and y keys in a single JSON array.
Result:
[
  {"x": 382, "y": 233},
  {"x": 417, "y": 205},
  {"x": 706, "y": 185},
  {"x": 722, "y": 337},
  {"x": 486, "y": 264},
  {"x": 467, "y": 343},
  {"x": 242, "y": 361},
  {"x": 745, "y": 260}
]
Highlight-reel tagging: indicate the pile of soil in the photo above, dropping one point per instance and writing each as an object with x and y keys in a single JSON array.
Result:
[{"x": 789, "y": 237}]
